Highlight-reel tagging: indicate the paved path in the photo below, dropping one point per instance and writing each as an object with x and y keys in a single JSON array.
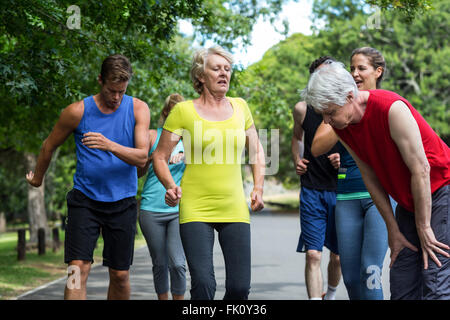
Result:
[{"x": 277, "y": 270}]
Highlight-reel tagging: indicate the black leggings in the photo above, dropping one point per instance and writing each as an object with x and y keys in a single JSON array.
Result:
[
  {"x": 198, "y": 244},
  {"x": 408, "y": 279}
]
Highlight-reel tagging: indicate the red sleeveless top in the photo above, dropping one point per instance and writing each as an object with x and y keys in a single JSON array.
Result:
[{"x": 371, "y": 140}]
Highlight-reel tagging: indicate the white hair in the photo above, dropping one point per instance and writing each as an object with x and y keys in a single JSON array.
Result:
[{"x": 329, "y": 84}]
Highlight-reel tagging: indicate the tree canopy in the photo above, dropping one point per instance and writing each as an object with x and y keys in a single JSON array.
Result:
[
  {"x": 415, "y": 55},
  {"x": 51, "y": 51}
]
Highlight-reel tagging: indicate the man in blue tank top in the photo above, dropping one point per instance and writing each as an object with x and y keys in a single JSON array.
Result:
[
  {"x": 318, "y": 177},
  {"x": 111, "y": 137}
]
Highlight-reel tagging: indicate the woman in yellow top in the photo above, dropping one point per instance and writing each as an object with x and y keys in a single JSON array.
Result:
[{"x": 215, "y": 129}]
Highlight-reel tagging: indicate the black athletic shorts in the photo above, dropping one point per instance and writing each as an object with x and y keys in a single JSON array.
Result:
[{"x": 85, "y": 219}]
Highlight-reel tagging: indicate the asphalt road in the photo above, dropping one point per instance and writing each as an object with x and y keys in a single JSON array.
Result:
[{"x": 277, "y": 269}]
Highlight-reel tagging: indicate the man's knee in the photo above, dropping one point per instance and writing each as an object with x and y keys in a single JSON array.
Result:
[
  {"x": 334, "y": 259},
  {"x": 79, "y": 269},
  {"x": 313, "y": 257},
  {"x": 119, "y": 277},
  {"x": 436, "y": 280}
]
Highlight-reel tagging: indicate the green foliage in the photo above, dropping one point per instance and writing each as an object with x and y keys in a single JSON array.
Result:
[
  {"x": 409, "y": 8},
  {"x": 153, "y": 86},
  {"x": 333, "y": 10},
  {"x": 13, "y": 191},
  {"x": 271, "y": 88},
  {"x": 45, "y": 65},
  {"x": 59, "y": 180},
  {"x": 415, "y": 53},
  {"x": 330, "y": 11},
  {"x": 230, "y": 20}
]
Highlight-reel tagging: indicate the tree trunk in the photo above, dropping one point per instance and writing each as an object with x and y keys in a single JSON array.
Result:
[
  {"x": 37, "y": 214},
  {"x": 2, "y": 222}
]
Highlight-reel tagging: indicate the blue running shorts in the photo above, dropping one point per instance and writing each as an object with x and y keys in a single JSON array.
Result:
[{"x": 317, "y": 220}]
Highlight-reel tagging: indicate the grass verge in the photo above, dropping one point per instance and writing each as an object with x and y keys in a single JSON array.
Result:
[
  {"x": 18, "y": 277},
  {"x": 286, "y": 202}
]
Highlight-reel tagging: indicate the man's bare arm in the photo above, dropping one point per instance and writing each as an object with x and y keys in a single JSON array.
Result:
[
  {"x": 68, "y": 121},
  {"x": 152, "y": 138},
  {"x": 406, "y": 135},
  {"x": 381, "y": 199},
  {"x": 297, "y": 143},
  {"x": 297, "y": 147},
  {"x": 324, "y": 140}
]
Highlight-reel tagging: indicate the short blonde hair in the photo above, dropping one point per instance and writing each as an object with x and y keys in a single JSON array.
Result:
[
  {"x": 170, "y": 102},
  {"x": 199, "y": 63}
]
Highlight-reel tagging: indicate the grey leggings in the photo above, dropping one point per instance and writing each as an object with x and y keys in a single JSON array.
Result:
[{"x": 162, "y": 233}]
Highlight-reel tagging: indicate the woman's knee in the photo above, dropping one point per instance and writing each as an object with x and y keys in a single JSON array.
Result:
[
  {"x": 203, "y": 288},
  {"x": 334, "y": 258},
  {"x": 159, "y": 270},
  {"x": 177, "y": 268},
  {"x": 237, "y": 292}
]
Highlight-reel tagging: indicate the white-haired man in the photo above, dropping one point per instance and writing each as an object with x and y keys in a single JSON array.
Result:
[{"x": 398, "y": 154}]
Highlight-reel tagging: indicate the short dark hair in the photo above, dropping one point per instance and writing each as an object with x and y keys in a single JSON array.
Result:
[
  {"x": 116, "y": 68},
  {"x": 318, "y": 62}
]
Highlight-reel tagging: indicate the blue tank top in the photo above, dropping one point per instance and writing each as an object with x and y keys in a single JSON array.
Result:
[
  {"x": 100, "y": 175},
  {"x": 349, "y": 176},
  {"x": 154, "y": 192}
]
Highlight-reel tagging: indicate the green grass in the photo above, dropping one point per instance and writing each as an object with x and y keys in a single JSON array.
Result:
[
  {"x": 17, "y": 277},
  {"x": 289, "y": 202}
]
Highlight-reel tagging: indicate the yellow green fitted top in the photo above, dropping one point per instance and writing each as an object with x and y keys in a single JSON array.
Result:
[{"x": 212, "y": 189}]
